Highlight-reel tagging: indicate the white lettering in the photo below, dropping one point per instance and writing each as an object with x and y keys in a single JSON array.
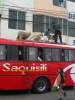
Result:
[
  {"x": 6, "y": 67},
  {"x": 22, "y": 69},
  {"x": 14, "y": 68}
]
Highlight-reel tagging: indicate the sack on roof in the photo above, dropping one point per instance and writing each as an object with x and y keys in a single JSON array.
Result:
[
  {"x": 23, "y": 35},
  {"x": 35, "y": 36}
]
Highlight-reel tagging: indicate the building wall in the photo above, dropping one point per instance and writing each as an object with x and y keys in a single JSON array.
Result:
[
  {"x": 20, "y": 5},
  {"x": 71, "y": 21},
  {"x": 71, "y": 11},
  {"x": 69, "y": 40},
  {"x": 48, "y": 7},
  {"x": 40, "y": 7}
]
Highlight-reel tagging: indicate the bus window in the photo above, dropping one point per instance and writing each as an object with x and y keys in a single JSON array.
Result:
[
  {"x": 66, "y": 55},
  {"x": 71, "y": 55},
  {"x": 12, "y": 52},
  {"x": 62, "y": 55},
  {"x": 47, "y": 54},
  {"x": 40, "y": 54},
  {"x": 55, "y": 54},
  {"x": 32, "y": 54},
  {"x": 21, "y": 51},
  {"x": 25, "y": 53},
  {"x": 2, "y": 52}
]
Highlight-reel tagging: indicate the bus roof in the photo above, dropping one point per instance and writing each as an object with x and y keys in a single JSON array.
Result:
[
  {"x": 10, "y": 42},
  {"x": 36, "y": 43}
]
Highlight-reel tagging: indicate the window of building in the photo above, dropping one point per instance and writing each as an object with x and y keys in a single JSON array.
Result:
[
  {"x": 12, "y": 19},
  {"x": 72, "y": 15},
  {"x": 64, "y": 27},
  {"x": 53, "y": 22},
  {"x": 16, "y": 19},
  {"x": 41, "y": 23},
  {"x": 56, "y": 2},
  {"x": 56, "y": 23},
  {"x": 71, "y": 29},
  {"x": 38, "y": 23},
  {"x": 21, "y": 20},
  {"x": 71, "y": 0},
  {"x": 61, "y": 3},
  {"x": 47, "y": 23}
]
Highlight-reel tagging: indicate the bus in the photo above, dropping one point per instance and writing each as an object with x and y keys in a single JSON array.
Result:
[{"x": 34, "y": 65}]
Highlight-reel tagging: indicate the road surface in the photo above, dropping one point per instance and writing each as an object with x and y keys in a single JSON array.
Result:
[{"x": 24, "y": 95}]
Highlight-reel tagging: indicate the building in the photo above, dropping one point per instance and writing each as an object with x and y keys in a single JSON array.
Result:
[
  {"x": 36, "y": 16},
  {"x": 16, "y": 15},
  {"x": 50, "y": 12},
  {"x": 71, "y": 21}
]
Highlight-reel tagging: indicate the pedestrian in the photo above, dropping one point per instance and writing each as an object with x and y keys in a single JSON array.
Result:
[{"x": 61, "y": 80}]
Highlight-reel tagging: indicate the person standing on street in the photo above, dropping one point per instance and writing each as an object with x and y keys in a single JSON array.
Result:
[{"x": 61, "y": 80}]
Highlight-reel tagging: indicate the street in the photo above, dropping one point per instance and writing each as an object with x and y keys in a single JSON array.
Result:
[{"x": 24, "y": 95}]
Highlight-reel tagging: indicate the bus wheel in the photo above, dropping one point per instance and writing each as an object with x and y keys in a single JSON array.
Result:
[{"x": 41, "y": 85}]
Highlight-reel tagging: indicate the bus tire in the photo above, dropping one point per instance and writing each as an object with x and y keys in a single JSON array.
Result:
[{"x": 41, "y": 85}]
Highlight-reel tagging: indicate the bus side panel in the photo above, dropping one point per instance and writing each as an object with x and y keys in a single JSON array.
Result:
[
  {"x": 13, "y": 83},
  {"x": 50, "y": 70},
  {"x": 21, "y": 75},
  {"x": 69, "y": 73},
  {"x": 13, "y": 75}
]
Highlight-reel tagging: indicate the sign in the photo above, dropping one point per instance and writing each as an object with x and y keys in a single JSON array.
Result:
[{"x": 7, "y": 67}]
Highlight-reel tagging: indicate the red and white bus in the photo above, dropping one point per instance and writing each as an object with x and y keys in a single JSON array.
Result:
[{"x": 34, "y": 65}]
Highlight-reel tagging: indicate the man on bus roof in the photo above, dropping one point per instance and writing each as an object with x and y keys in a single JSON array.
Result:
[
  {"x": 57, "y": 32},
  {"x": 49, "y": 34}
]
